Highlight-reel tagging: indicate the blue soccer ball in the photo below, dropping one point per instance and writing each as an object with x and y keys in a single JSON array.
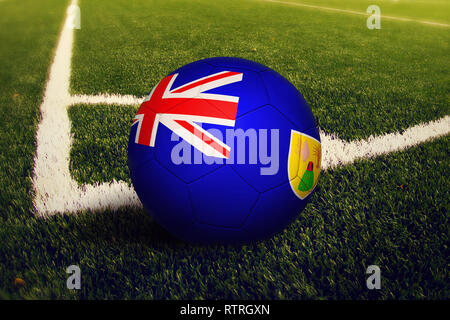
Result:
[{"x": 224, "y": 150}]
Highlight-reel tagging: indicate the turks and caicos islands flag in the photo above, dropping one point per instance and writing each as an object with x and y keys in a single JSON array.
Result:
[{"x": 179, "y": 108}]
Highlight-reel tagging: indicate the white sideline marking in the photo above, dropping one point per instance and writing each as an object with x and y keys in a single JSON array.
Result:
[
  {"x": 57, "y": 192},
  {"x": 106, "y": 99},
  {"x": 360, "y": 13},
  {"x": 337, "y": 152}
]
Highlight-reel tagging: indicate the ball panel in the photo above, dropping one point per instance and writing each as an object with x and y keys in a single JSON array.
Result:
[
  {"x": 190, "y": 72},
  {"x": 251, "y": 90},
  {"x": 273, "y": 211},
  {"x": 168, "y": 151},
  {"x": 269, "y": 119},
  {"x": 222, "y": 199},
  {"x": 137, "y": 153},
  {"x": 164, "y": 196},
  {"x": 287, "y": 99}
]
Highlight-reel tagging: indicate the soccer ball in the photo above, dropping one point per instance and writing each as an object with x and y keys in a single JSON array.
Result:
[{"x": 224, "y": 150}]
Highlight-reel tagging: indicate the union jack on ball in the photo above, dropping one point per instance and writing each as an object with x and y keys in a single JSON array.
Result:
[{"x": 224, "y": 150}]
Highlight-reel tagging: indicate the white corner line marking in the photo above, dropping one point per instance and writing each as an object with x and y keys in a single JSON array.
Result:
[
  {"x": 57, "y": 192},
  {"x": 337, "y": 152},
  {"x": 360, "y": 13},
  {"x": 106, "y": 99}
]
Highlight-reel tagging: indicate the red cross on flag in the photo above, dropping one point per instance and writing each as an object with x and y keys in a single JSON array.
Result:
[{"x": 180, "y": 107}]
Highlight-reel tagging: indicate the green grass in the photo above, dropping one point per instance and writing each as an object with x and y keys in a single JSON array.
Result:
[
  {"x": 358, "y": 82},
  {"x": 358, "y": 216},
  {"x": 428, "y": 10},
  {"x": 391, "y": 211},
  {"x": 99, "y": 151},
  {"x": 28, "y": 33}
]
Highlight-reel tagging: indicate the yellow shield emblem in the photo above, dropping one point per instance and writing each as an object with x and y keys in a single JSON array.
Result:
[{"x": 305, "y": 156}]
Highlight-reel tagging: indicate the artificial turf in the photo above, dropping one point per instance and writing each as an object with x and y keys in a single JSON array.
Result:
[
  {"x": 383, "y": 211},
  {"x": 100, "y": 141},
  {"x": 391, "y": 211},
  {"x": 28, "y": 35},
  {"x": 357, "y": 81},
  {"x": 433, "y": 11}
]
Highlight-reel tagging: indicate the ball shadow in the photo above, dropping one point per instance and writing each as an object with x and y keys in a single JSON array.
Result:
[
  {"x": 127, "y": 225},
  {"x": 135, "y": 225}
]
